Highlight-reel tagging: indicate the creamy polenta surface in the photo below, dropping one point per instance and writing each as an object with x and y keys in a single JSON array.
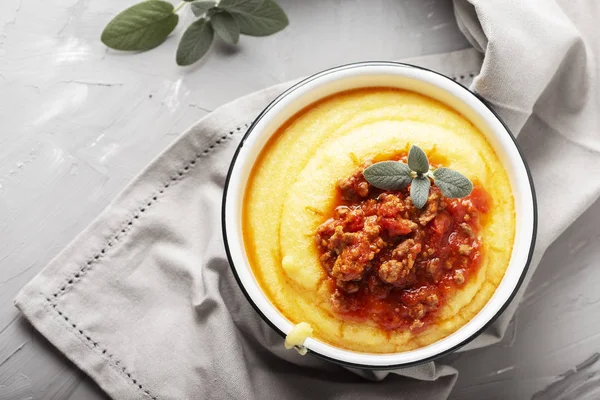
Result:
[{"x": 296, "y": 193}]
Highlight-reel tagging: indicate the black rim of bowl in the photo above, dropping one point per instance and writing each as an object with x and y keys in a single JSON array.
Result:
[{"x": 352, "y": 66}]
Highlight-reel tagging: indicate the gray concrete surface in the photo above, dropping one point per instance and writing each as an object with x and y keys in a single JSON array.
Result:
[{"x": 77, "y": 122}]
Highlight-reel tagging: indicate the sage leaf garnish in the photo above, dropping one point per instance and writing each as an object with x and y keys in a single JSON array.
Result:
[
  {"x": 146, "y": 25},
  {"x": 266, "y": 20},
  {"x": 240, "y": 6},
  {"x": 395, "y": 175},
  {"x": 388, "y": 175},
  {"x": 453, "y": 184},
  {"x": 417, "y": 160},
  {"x": 141, "y": 27},
  {"x": 195, "y": 42},
  {"x": 419, "y": 191},
  {"x": 199, "y": 7},
  {"x": 226, "y": 27}
]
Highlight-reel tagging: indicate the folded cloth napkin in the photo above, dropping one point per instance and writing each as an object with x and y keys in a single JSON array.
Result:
[
  {"x": 144, "y": 302},
  {"x": 540, "y": 73}
]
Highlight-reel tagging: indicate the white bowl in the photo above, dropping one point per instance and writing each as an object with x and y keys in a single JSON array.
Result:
[{"x": 386, "y": 74}]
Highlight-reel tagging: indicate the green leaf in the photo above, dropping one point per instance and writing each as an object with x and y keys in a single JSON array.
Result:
[
  {"x": 200, "y": 7},
  {"x": 388, "y": 175},
  {"x": 267, "y": 19},
  {"x": 226, "y": 27},
  {"x": 140, "y": 27},
  {"x": 419, "y": 191},
  {"x": 240, "y": 6},
  {"x": 417, "y": 160},
  {"x": 195, "y": 42},
  {"x": 452, "y": 184}
]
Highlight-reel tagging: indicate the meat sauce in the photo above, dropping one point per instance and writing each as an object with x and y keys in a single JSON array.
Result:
[{"x": 393, "y": 264}]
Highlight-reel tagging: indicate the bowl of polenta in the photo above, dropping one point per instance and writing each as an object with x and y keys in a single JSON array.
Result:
[{"x": 378, "y": 215}]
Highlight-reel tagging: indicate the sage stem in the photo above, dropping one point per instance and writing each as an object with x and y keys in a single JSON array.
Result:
[{"x": 178, "y": 7}]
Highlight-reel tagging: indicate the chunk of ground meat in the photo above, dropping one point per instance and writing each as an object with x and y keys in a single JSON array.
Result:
[
  {"x": 459, "y": 277},
  {"x": 416, "y": 324},
  {"x": 399, "y": 269},
  {"x": 432, "y": 209},
  {"x": 343, "y": 302},
  {"x": 434, "y": 268},
  {"x": 349, "y": 242},
  {"x": 465, "y": 249},
  {"x": 324, "y": 232},
  {"x": 348, "y": 287},
  {"x": 352, "y": 218},
  {"x": 354, "y": 187},
  {"x": 422, "y": 302},
  {"x": 390, "y": 205},
  {"x": 406, "y": 247},
  {"x": 355, "y": 250},
  {"x": 371, "y": 229},
  {"x": 467, "y": 229},
  {"x": 393, "y": 270},
  {"x": 432, "y": 300},
  {"x": 417, "y": 311},
  {"x": 352, "y": 261},
  {"x": 336, "y": 241}
]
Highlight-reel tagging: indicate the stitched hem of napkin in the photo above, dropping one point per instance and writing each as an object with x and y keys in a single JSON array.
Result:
[
  {"x": 47, "y": 317},
  {"x": 178, "y": 175},
  {"x": 95, "y": 346}
]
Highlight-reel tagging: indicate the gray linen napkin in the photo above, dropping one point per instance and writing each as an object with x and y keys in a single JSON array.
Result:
[{"x": 144, "y": 302}]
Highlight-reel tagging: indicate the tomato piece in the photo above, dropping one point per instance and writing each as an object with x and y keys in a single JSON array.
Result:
[
  {"x": 396, "y": 227},
  {"x": 442, "y": 223}
]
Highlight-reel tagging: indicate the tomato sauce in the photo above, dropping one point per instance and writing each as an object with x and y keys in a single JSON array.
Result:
[{"x": 392, "y": 264}]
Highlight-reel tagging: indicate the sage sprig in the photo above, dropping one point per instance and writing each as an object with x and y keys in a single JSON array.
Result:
[
  {"x": 395, "y": 175},
  {"x": 146, "y": 25}
]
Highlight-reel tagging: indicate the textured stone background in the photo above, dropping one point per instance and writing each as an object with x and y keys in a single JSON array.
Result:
[{"x": 78, "y": 122}]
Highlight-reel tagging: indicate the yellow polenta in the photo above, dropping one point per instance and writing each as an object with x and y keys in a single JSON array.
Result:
[{"x": 293, "y": 185}]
